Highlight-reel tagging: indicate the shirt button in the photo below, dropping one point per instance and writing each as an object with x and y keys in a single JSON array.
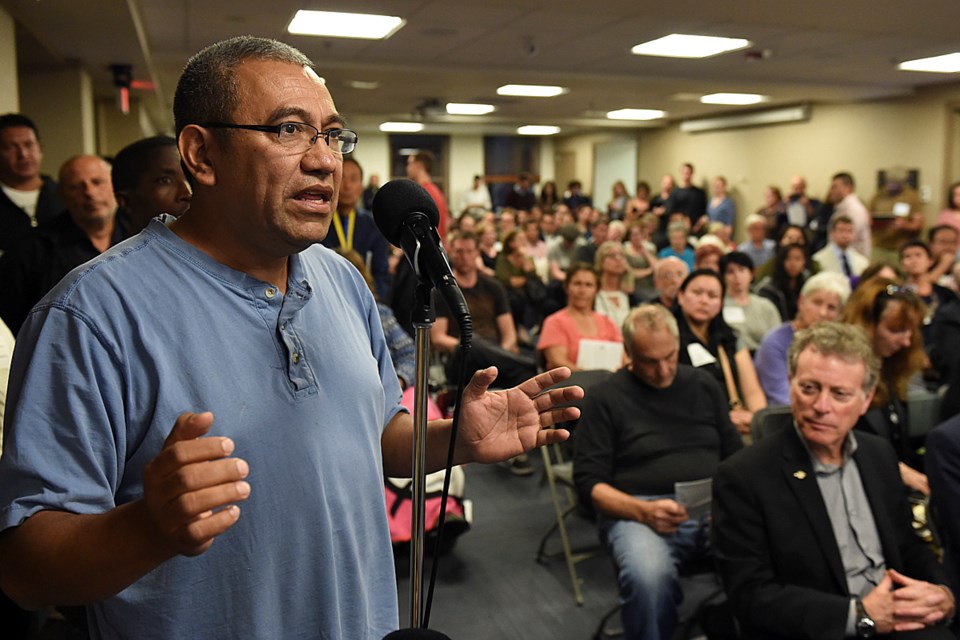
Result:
[
  {"x": 283, "y": 327},
  {"x": 270, "y": 293},
  {"x": 296, "y": 358}
]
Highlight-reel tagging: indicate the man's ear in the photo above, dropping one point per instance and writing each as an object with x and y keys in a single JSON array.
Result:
[{"x": 196, "y": 145}]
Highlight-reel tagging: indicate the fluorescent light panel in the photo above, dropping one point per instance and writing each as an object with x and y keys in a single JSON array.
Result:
[
  {"x": 401, "y": 127},
  {"x": 636, "y": 114},
  {"x": 947, "y": 63},
  {"x": 734, "y": 98},
  {"x": 335, "y": 24},
  {"x": 531, "y": 90},
  {"x": 799, "y": 113},
  {"x": 469, "y": 109},
  {"x": 538, "y": 130},
  {"x": 679, "y": 45}
]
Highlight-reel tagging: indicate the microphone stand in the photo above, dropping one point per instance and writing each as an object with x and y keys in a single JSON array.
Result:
[{"x": 423, "y": 319}]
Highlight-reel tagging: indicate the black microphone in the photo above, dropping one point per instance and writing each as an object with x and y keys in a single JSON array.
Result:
[{"x": 408, "y": 217}]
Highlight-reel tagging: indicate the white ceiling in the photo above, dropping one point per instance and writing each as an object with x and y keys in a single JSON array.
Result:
[{"x": 462, "y": 50}]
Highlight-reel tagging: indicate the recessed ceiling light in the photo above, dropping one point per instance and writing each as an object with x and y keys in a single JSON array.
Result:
[
  {"x": 335, "y": 24},
  {"x": 947, "y": 63},
  {"x": 636, "y": 114},
  {"x": 734, "y": 98},
  {"x": 363, "y": 85},
  {"x": 531, "y": 90},
  {"x": 679, "y": 45},
  {"x": 401, "y": 127},
  {"x": 468, "y": 109},
  {"x": 538, "y": 130}
]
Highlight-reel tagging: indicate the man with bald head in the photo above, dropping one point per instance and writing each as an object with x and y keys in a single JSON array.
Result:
[{"x": 88, "y": 227}]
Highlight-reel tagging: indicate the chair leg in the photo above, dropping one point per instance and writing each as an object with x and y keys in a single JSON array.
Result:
[
  {"x": 602, "y": 631},
  {"x": 561, "y": 526}
]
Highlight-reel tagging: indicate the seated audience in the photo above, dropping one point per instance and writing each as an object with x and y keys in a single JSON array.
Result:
[
  {"x": 839, "y": 256},
  {"x": 791, "y": 268},
  {"x": 773, "y": 211},
  {"x": 821, "y": 300},
  {"x": 517, "y": 273},
  {"x": 891, "y": 317},
  {"x": 811, "y": 527},
  {"x": 575, "y": 198},
  {"x": 614, "y": 298},
  {"x": 677, "y": 235},
  {"x": 749, "y": 315},
  {"x": 549, "y": 196},
  {"x": 641, "y": 255},
  {"x": 148, "y": 180},
  {"x": 597, "y": 235},
  {"x": 494, "y": 331},
  {"x": 489, "y": 247},
  {"x": 617, "y": 207},
  {"x": 707, "y": 255},
  {"x": 951, "y": 213},
  {"x": 943, "y": 470},
  {"x": 562, "y": 331},
  {"x": 640, "y": 435},
  {"x": 667, "y": 277},
  {"x": 916, "y": 260},
  {"x": 789, "y": 234},
  {"x": 944, "y": 242},
  {"x": 707, "y": 342},
  {"x": 758, "y": 246}
]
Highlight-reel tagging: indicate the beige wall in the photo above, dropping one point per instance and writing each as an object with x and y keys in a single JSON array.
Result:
[
  {"x": 9, "y": 88},
  {"x": 860, "y": 138}
]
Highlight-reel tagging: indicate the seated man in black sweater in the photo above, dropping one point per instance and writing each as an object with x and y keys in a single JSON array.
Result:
[{"x": 651, "y": 425}]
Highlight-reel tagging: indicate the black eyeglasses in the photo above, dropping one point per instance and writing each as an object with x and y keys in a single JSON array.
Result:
[{"x": 298, "y": 135}]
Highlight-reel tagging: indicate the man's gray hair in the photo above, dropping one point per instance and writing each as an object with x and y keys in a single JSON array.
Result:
[
  {"x": 650, "y": 317},
  {"x": 845, "y": 341},
  {"x": 830, "y": 282},
  {"x": 668, "y": 261},
  {"x": 207, "y": 90}
]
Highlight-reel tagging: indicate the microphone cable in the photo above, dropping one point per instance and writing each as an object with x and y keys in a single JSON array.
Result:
[{"x": 463, "y": 350}]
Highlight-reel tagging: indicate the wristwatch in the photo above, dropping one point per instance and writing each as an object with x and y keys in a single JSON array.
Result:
[{"x": 865, "y": 626}]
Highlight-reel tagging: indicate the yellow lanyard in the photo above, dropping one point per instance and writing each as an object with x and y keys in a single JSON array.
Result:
[{"x": 346, "y": 243}]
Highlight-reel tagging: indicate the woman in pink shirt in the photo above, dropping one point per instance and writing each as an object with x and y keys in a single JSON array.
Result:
[
  {"x": 951, "y": 215},
  {"x": 562, "y": 331}
]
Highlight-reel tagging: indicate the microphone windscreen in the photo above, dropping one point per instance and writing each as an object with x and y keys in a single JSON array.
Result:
[
  {"x": 416, "y": 634},
  {"x": 395, "y": 201}
]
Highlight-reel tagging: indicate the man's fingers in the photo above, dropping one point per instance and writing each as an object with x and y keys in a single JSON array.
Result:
[
  {"x": 551, "y": 436},
  {"x": 556, "y": 416},
  {"x": 535, "y": 385},
  {"x": 179, "y": 454},
  {"x": 189, "y": 426},
  {"x": 481, "y": 380},
  {"x": 199, "y": 534},
  {"x": 554, "y": 397},
  {"x": 186, "y": 507}
]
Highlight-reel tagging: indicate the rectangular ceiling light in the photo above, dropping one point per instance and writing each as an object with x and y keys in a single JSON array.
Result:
[
  {"x": 783, "y": 115},
  {"x": 679, "y": 45},
  {"x": 947, "y": 63},
  {"x": 636, "y": 114},
  {"x": 335, "y": 24},
  {"x": 538, "y": 130},
  {"x": 734, "y": 98},
  {"x": 530, "y": 90},
  {"x": 401, "y": 127},
  {"x": 468, "y": 109}
]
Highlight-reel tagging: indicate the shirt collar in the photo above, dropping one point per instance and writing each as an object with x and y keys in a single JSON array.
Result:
[{"x": 821, "y": 468}]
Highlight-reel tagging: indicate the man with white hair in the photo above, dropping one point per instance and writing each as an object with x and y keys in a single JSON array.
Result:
[{"x": 667, "y": 276}]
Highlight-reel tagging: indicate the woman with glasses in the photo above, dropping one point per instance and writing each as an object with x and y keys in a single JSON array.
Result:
[
  {"x": 614, "y": 299},
  {"x": 563, "y": 331},
  {"x": 708, "y": 342},
  {"x": 891, "y": 316}
]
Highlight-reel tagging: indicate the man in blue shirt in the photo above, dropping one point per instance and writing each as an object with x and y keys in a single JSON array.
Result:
[{"x": 265, "y": 354}]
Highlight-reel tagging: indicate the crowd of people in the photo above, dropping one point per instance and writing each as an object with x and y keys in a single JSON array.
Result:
[{"x": 835, "y": 308}]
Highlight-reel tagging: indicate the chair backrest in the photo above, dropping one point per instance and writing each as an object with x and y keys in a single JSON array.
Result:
[
  {"x": 766, "y": 420},
  {"x": 923, "y": 409}
]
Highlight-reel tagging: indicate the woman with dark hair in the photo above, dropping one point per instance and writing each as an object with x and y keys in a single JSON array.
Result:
[
  {"x": 549, "y": 198},
  {"x": 951, "y": 214},
  {"x": 891, "y": 316},
  {"x": 749, "y": 315},
  {"x": 774, "y": 210},
  {"x": 640, "y": 203},
  {"x": 517, "y": 273},
  {"x": 706, "y": 341},
  {"x": 789, "y": 234},
  {"x": 791, "y": 268},
  {"x": 564, "y": 330}
]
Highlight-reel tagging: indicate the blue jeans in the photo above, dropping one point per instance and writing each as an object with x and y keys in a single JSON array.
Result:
[{"x": 648, "y": 569}]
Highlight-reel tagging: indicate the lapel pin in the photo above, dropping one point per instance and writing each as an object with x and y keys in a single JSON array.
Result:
[{"x": 800, "y": 475}]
